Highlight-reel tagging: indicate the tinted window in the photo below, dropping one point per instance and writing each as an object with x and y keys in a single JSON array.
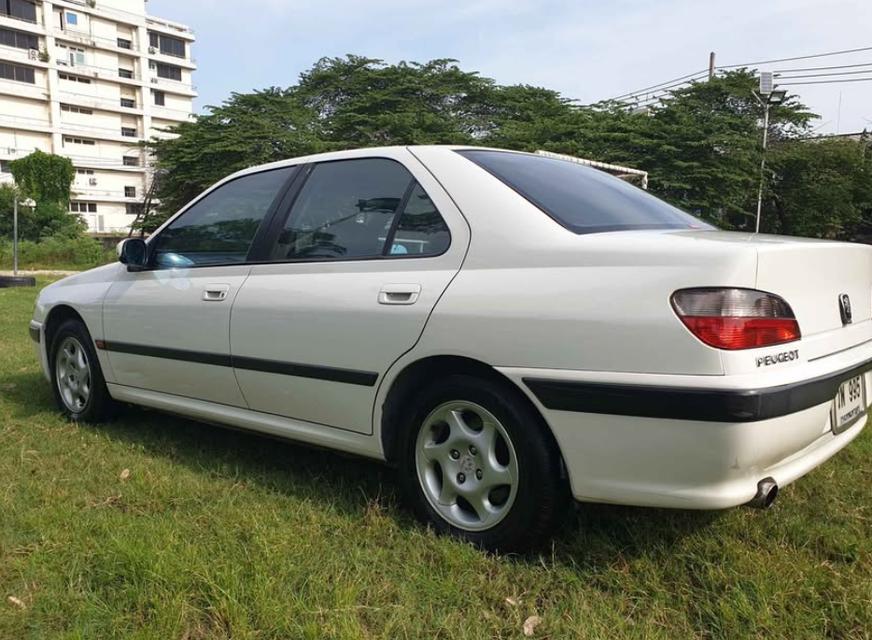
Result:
[
  {"x": 169, "y": 71},
  {"x": 581, "y": 198},
  {"x": 220, "y": 227},
  {"x": 420, "y": 229},
  {"x": 345, "y": 210}
]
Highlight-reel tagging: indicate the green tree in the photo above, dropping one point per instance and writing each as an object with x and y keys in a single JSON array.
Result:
[
  {"x": 819, "y": 188},
  {"x": 45, "y": 178},
  {"x": 701, "y": 146},
  {"x": 247, "y": 129}
]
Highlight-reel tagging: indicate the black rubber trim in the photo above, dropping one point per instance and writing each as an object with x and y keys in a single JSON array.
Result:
[
  {"x": 34, "y": 334},
  {"x": 687, "y": 403},
  {"x": 332, "y": 374}
]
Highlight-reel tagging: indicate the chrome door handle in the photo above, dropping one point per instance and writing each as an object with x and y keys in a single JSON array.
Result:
[
  {"x": 215, "y": 292},
  {"x": 399, "y": 294}
]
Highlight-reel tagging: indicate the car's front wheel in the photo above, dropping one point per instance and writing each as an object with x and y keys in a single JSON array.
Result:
[
  {"x": 79, "y": 388},
  {"x": 478, "y": 463}
]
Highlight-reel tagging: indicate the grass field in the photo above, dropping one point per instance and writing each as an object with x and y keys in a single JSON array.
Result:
[{"x": 157, "y": 527}]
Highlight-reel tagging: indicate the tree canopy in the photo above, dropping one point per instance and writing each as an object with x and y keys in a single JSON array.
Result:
[
  {"x": 45, "y": 178},
  {"x": 701, "y": 146}
]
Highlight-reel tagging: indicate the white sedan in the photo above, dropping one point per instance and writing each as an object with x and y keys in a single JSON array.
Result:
[{"x": 509, "y": 330}]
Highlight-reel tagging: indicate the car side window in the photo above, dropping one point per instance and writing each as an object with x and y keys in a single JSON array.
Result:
[
  {"x": 220, "y": 228},
  {"x": 420, "y": 229},
  {"x": 348, "y": 209}
]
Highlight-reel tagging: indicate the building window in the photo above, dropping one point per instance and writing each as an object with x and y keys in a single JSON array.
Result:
[
  {"x": 18, "y": 39},
  {"x": 85, "y": 172},
  {"x": 72, "y": 18},
  {"x": 85, "y": 141},
  {"x": 160, "y": 98},
  {"x": 169, "y": 71},
  {"x": 130, "y": 103},
  {"x": 130, "y": 161},
  {"x": 128, "y": 132},
  {"x": 125, "y": 73},
  {"x": 129, "y": 192},
  {"x": 17, "y": 73},
  {"x": 134, "y": 208},
  {"x": 75, "y": 55},
  {"x": 67, "y": 76},
  {"x": 4, "y": 166},
  {"x": 83, "y": 207},
  {"x": 74, "y": 109},
  {"x": 167, "y": 45},
  {"x": 20, "y": 9},
  {"x": 124, "y": 43}
]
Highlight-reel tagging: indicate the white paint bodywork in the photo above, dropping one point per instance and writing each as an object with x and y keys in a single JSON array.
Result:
[{"x": 521, "y": 294}]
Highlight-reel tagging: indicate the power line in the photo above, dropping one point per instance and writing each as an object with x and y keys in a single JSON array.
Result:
[
  {"x": 824, "y": 75},
  {"x": 691, "y": 76},
  {"x": 815, "y": 55},
  {"x": 655, "y": 86},
  {"x": 839, "y": 66},
  {"x": 791, "y": 84}
]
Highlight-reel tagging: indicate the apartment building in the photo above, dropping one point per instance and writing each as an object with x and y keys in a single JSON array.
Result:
[{"x": 90, "y": 80}]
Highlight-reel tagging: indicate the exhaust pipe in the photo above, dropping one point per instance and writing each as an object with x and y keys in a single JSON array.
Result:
[{"x": 767, "y": 491}]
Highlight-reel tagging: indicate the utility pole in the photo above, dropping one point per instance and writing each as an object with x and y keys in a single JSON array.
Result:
[
  {"x": 762, "y": 163},
  {"x": 768, "y": 96},
  {"x": 15, "y": 236},
  {"x": 711, "y": 65}
]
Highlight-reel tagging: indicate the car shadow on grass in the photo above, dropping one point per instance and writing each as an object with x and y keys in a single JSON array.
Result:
[{"x": 593, "y": 535}]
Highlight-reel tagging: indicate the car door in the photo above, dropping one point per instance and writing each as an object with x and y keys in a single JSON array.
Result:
[
  {"x": 167, "y": 328},
  {"x": 357, "y": 265}
]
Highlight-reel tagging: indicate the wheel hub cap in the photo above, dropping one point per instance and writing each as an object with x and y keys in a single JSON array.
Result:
[
  {"x": 73, "y": 372},
  {"x": 474, "y": 490}
]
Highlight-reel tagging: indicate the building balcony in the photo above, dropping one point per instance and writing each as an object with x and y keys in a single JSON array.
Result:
[
  {"x": 97, "y": 42},
  {"x": 102, "y": 163},
  {"x": 187, "y": 63},
  {"x": 170, "y": 27},
  {"x": 25, "y": 123},
  {"x": 172, "y": 86},
  {"x": 97, "y": 103},
  {"x": 22, "y": 56},
  {"x": 21, "y": 24},
  {"x": 23, "y": 90},
  {"x": 176, "y": 115}
]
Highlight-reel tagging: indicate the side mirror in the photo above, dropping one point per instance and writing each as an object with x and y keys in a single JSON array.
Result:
[{"x": 134, "y": 253}]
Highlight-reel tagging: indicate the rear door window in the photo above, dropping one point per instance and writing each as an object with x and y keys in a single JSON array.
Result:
[
  {"x": 582, "y": 199},
  {"x": 358, "y": 209}
]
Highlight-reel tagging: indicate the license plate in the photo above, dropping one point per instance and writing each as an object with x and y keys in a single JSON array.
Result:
[{"x": 849, "y": 404}]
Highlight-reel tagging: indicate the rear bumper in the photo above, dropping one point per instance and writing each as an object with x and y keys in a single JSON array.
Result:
[
  {"x": 691, "y": 403},
  {"x": 684, "y": 446}
]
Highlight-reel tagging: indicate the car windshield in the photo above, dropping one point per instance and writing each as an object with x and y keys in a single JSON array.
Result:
[{"x": 582, "y": 199}]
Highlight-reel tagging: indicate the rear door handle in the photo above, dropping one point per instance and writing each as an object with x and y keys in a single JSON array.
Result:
[
  {"x": 215, "y": 292},
  {"x": 399, "y": 294}
]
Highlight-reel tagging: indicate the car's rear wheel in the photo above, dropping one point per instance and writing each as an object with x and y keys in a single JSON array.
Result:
[
  {"x": 79, "y": 388},
  {"x": 477, "y": 462}
]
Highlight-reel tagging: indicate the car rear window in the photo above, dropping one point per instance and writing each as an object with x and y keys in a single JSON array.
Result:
[{"x": 582, "y": 199}]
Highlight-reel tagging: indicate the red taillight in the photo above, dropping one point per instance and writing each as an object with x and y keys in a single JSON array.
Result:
[{"x": 736, "y": 318}]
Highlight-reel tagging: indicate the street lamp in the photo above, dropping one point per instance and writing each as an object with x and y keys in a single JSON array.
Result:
[{"x": 767, "y": 96}]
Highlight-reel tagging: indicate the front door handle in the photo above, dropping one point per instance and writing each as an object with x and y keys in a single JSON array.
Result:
[
  {"x": 215, "y": 292},
  {"x": 399, "y": 294}
]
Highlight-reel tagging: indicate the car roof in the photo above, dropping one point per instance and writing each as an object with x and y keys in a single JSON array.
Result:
[{"x": 352, "y": 153}]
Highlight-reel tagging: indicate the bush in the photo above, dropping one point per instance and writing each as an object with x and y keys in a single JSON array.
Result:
[{"x": 58, "y": 252}]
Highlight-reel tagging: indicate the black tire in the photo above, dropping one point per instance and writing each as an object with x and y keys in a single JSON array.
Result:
[
  {"x": 541, "y": 495},
  {"x": 17, "y": 281},
  {"x": 99, "y": 406}
]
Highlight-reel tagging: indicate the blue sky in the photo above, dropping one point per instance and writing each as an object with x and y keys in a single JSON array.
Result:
[{"x": 588, "y": 50}]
